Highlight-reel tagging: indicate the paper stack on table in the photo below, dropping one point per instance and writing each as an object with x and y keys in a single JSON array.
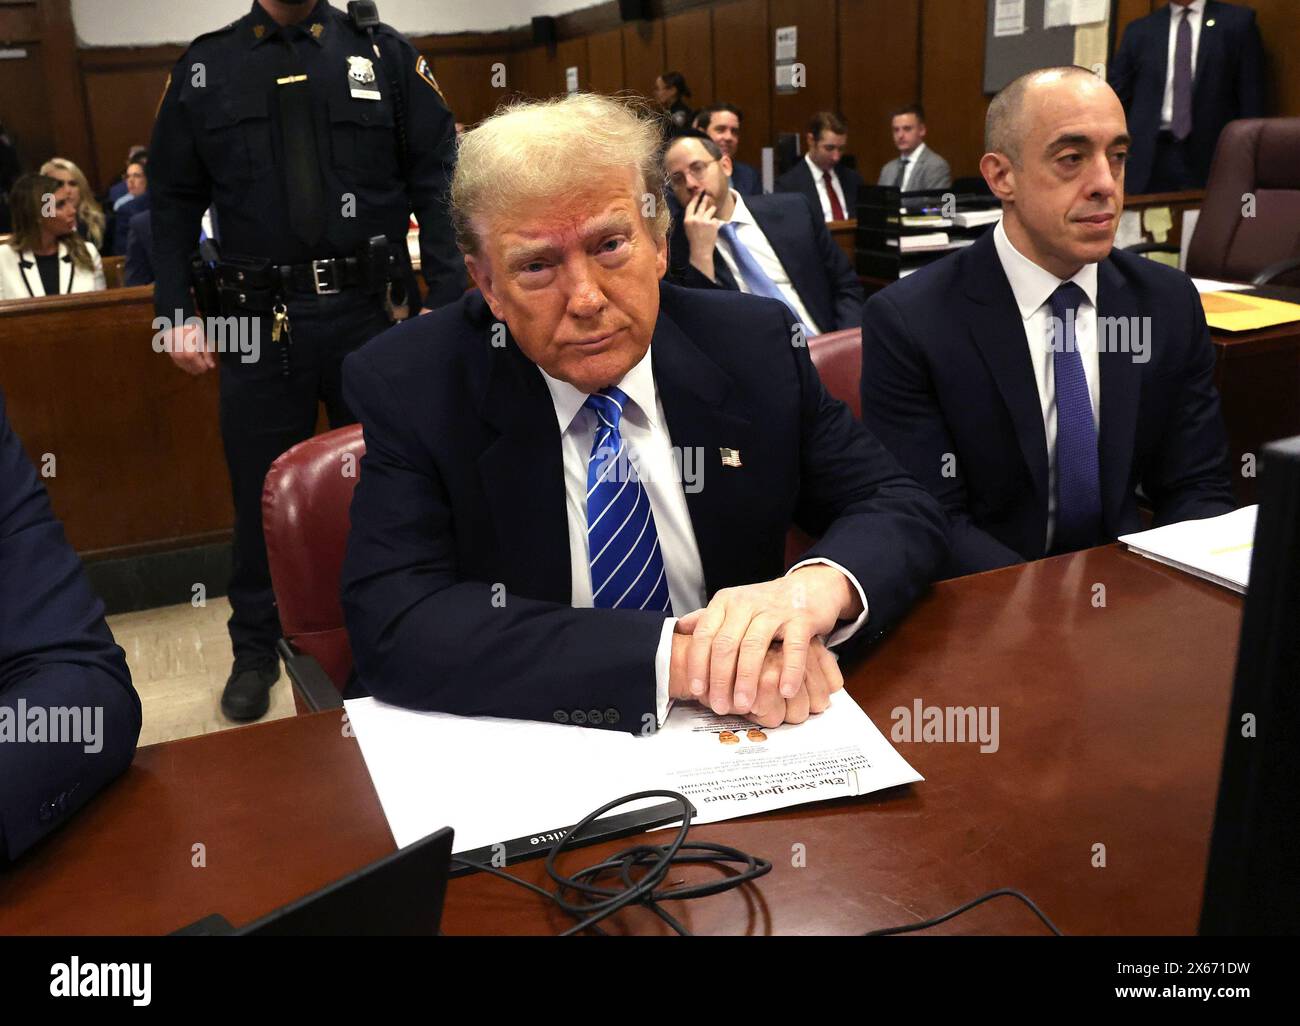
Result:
[
  {"x": 494, "y": 780},
  {"x": 1217, "y": 549}
]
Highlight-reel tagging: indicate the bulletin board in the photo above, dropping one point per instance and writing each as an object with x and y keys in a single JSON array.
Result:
[{"x": 1010, "y": 56}]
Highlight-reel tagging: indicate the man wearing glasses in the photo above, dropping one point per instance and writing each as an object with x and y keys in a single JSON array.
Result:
[{"x": 775, "y": 245}]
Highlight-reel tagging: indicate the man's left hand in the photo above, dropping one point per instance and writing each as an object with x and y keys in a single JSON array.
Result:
[{"x": 730, "y": 637}]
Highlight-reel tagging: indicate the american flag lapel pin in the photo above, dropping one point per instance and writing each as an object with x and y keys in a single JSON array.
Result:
[{"x": 730, "y": 457}]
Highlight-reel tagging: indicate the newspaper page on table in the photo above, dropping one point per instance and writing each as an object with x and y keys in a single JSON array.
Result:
[{"x": 493, "y": 780}]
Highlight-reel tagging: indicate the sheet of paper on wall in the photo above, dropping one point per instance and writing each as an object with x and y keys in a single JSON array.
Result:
[
  {"x": 1129, "y": 232},
  {"x": 1009, "y": 18},
  {"x": 1056, "y": 13},
  {"x": 787, "y": 43},
  {"x": 1087, "y": 12},
  {"x": 494, "y": 780},
  {"x": 1217, "y": 549},
  {"x": 1158, "y": 221}
]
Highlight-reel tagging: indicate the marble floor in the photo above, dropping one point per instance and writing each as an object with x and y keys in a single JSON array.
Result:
[{"x": 180, "y": 658}]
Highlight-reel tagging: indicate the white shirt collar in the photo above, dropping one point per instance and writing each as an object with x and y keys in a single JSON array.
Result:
[
  {"x": 638, "y": 384},
  {"x": 816, "y": 171},
  {"x": 1196, "y": 7},
  {"x": 915, "y": 155},
  {"x": 740, "y": 213},
  {"x": 1032, "y": 285}
]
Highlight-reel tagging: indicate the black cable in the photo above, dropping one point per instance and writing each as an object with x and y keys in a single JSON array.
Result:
[
  {"x": 593, "y": 902},
  {"x": 1006, "y": 892},
  {"x": 596, "y": 902}
]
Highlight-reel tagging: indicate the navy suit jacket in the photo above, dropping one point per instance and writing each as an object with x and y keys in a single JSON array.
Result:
[
  {"x": 1228, "y": 83},
  {"x": 745, "y": 179},
  {"x": 818, "y": 268},
  {"x": 799, "y": 179},
  {"x": 946, "y": 370},
  {"x": 55, "y": 652},
  {"x": 457, "y": 581},
  {"x": 139, "y": 249}
]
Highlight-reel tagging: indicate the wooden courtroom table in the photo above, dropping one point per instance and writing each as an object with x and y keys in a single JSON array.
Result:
[{"x": 1111, "y": 724}]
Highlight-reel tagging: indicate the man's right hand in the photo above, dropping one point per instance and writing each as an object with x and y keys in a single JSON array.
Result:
[
  {"x": 188, "y": 349},
  {"x": 702, "y": 226},
  {"x": 821, "y": 679}
]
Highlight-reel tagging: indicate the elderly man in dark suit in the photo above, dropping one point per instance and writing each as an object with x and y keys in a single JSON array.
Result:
[
  {"x": 1182, "y": 73},
  {"x": 774, "y": 246},
  {"x": 578, "y": 481},
  {"x": 69, "y": 717},
  {"x": 1037, "y": 379}
]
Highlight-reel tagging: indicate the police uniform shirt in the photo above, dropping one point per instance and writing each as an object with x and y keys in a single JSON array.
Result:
[{"x": 218, "y": 140}]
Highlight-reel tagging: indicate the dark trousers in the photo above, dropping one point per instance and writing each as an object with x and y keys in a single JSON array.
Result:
[
  {"x": 1172, "y": 169},
  {"x": 264, "y": 413}
]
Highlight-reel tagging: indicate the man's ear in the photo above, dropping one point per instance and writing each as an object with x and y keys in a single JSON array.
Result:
[
  {"x": 1000, "y": 174},
  {"x": 661, "y": 256},
  {"x": 726, "y": 165},
  {"x": 480, "y": 272},
  {"x": 809, "y": 143}
]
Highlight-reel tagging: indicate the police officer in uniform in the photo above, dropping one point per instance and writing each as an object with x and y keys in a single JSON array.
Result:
[{"x": 313, "y": 134}]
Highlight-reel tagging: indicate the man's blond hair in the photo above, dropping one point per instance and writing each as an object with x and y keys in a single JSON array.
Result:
[{"x": 530, "y": 154}]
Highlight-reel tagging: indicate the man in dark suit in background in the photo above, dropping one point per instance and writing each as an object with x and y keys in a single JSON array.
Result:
[
  {"x": 69, "y": 717},
  {"x": 139, "y": 249},
  {"x": 1183, "y": 73},
  {"x": 578, "y": 481},
  {"x": 721, "y": 123},
  {"x": 774, "y": 246},
  {"x": 1035, "y": 380},
  {"x": 829, "y": 186}
]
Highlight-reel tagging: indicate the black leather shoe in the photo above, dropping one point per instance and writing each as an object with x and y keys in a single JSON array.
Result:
[{"x": 248, "y": 689}]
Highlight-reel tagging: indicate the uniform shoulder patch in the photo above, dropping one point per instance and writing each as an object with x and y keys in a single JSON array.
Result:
[{"x": 423, "y": 69}]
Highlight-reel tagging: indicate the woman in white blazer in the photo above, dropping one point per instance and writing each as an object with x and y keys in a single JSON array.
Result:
[{"x": 45, "y": 255}]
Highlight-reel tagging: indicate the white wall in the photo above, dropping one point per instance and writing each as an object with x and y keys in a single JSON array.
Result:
[{"x": 149, "y": 22}]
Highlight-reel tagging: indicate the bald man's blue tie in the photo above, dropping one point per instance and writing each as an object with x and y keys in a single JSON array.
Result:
[
  {"x": 627, "y": 566},
  {"x": 755, "y": 277},
  {"x": 1078, "y": 474}
]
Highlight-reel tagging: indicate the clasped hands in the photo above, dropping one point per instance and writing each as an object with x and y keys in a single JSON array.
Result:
[{"x": 757, "y": 651}]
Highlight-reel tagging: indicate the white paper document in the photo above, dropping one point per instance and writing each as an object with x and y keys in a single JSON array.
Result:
[
  {"x": 1056, "y": 13},
  {"x": 1216, "y": 550},
  {"x": 1009, "y": 18},
  {"x": 1087, "y": 12},
  {"x": 494, "y": 780},
  {"x": 1210, "y": 285}
]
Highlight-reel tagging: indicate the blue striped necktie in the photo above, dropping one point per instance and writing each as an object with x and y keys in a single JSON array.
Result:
[
  {"x": 627, "y": 566},
  {"x": 1078, "y": 475}
]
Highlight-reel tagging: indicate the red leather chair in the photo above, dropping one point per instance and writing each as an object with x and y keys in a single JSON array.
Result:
[
  {"x": 305, "y": 519},
  {"x": 837, "y": 355}
]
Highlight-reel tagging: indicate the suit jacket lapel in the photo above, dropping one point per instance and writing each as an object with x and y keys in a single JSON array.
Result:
[
  {"x": 773, "y": 224},
  {"x": 31, "y": 274},
  {"x": 1161, "y": 49},
  {"x": 1120, "y": 392},
  {"x": 704, "y": 417},
  {"x": 999, "y": 334},
  {"x": 523, "y": 475},
  {"x": 1207, "y": 51}
]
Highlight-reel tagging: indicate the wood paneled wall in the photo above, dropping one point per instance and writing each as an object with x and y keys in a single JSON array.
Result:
[{"x": 863, "y": 57}]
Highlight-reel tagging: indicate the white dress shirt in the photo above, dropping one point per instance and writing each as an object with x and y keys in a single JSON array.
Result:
[
  {"x": 650, "y": 451},
  {"x": 1196, "y": 14},
  {"x": 910, "y": 166},
  {"x": 752, "y": 238},
  {"x": 822, "y": 195},
  {"x": 1032, "y": 285}
]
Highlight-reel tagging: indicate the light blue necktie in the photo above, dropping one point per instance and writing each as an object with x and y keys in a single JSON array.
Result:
[
  {"x": 1078, "y": 475},
  {"x": 627, "y": 566},
  {"x": 755, "y": 277}
]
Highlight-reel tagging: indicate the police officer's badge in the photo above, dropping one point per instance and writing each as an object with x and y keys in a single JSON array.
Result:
[{"x": 361, "y": 78}]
